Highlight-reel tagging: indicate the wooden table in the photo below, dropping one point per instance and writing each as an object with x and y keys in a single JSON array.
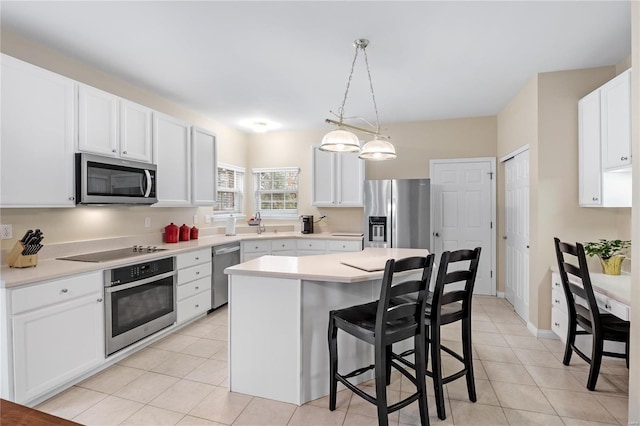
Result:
[{"x": 18, "y": 415}]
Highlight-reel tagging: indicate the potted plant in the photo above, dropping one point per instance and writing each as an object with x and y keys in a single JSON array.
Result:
[{"x": 610, "y": 252}]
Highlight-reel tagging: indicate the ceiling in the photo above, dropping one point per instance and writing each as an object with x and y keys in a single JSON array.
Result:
[{"x": 288, "y": 62}]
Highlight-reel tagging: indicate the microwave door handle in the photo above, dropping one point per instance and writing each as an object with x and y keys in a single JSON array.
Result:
[{"x": 148, "y": 176}]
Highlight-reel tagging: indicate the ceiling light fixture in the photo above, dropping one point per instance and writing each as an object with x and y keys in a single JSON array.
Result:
[{"x": 341, "y": 140}]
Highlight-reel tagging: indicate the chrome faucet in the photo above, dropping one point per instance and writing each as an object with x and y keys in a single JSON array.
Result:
[{"x": 258, "y": 219}]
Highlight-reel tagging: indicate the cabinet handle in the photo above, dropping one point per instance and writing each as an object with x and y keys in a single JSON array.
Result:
[
  {"x": 114, "y": 151},
  {"x": 556, "y": 284},
  {"x": 64, "y": 290},
  {"x": 72, "y": 198},
  {"x": 124, "y": 152},
  {"x": 557, "y": 301},
  {"x": 624, "y": 158},
  {"x": 197, "y": 258},
  {"x": 197, "y": 288},
  {"x": 197, "y": 306},
  {"x": 197, "y": 272},
  {"x": 607, "y": 306},
  {"x": 594, "y": 199},
  {"x": 99, "y": 300},
  {"x": 556, "y": 324}
]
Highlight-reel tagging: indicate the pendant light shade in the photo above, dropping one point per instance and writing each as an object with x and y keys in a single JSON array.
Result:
[
  {"x": 378, "y": 149},
  {"x": 340, "y": 141}
]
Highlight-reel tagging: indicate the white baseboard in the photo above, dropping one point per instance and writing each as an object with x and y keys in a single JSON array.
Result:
[
  {"x": 541, "y": 334},
  {"x": 500, "y": 295}
]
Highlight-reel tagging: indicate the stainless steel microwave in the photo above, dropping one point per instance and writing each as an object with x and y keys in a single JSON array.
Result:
[{"x": 107, "y": 180}]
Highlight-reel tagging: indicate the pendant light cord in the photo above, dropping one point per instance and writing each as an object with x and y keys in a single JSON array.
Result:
[
  {"x": 346, "y": 92},
  {"x": 373, "y": 95}
]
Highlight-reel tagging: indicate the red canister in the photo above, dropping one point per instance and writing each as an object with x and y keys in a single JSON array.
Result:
[
  {"x": 171, "y": 233},
  {"x": 185, "y": 232},
  {"x": 194, "y": 233}
]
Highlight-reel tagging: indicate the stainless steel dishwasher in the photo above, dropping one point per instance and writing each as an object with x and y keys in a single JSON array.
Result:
[{"x": 223, "y": 256}]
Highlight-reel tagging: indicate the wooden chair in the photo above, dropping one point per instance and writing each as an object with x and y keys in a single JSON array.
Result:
[
  {"x": 583, "y": 311},
  {"x": 446, "y": 307},
  {"x": 382, "y": 323}
]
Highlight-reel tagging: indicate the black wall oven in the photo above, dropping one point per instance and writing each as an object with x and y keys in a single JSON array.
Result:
[{"x": 140, "y": 300}]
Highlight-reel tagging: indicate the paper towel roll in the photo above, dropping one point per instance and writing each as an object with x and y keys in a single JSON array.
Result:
[{"x": 231, "y": 226}]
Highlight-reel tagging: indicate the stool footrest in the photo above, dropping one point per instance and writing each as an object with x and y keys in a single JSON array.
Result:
[{"x": 359, "y": 371}]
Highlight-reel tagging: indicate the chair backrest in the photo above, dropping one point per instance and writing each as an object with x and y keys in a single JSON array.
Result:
[
  {"x": 576, "y": 282},
  {"x": 442, "y": 296},
  {"x": 393, "y": 308}
]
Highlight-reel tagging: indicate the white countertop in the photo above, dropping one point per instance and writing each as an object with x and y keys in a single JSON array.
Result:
[
  {"x": 327, "y": 267},
  {"x": 48, "y": 269},
  {"x": 617, "y": 287}
]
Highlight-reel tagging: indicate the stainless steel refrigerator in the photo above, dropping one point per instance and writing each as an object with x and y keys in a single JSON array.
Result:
[{"x": 397, "y": 213}]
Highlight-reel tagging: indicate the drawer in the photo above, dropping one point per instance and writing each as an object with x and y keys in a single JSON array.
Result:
[
  {"x": 249, "y": 256},
  {"x": 193, "y": 273},
  {"x": 309, "y": 252},
  {"x": 256, "y": 246},
  {"x": 196, "y": 257},
  {"x": 616, "y": 308},
  {"x": 194, "y": 287},
  {"x": 309, "y": 244},
  {"x": 556, "y": 282},
  {"x": 345, "y": 245},
  {"x": 285, "y": 253},
  {"x": 193, "y": 306},
  {"x": 559, "y": 323},
  {"x": 558, "y": 299},
  {"x": 280, "y": 245},
  {"x": 58, "y": 291}
]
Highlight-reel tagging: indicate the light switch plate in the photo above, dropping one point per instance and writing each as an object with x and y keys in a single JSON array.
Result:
[{"x": 6, "y": 232}]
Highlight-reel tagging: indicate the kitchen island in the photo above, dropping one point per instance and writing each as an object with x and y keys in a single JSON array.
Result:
[{"x": 278, "y": 317}]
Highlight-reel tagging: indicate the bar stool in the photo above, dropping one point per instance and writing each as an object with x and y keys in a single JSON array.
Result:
[
  {"x": 382, "y": 323},
  {"x": 601, "y": 326},
  {"x": 445, "y": 307}
]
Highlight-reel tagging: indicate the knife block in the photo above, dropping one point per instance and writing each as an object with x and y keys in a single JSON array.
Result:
[{"x": 16, "y": 259}]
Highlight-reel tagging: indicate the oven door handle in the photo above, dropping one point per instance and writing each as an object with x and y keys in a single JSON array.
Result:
[{"x": 114, "y": 288}]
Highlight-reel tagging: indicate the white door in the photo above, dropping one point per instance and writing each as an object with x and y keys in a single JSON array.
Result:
[
  {"x": 463, "y": 208},
  {"x": 517, "y": 233}
]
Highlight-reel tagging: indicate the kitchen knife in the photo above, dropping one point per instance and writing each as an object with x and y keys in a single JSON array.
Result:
[{"x": 26, "y": 236}]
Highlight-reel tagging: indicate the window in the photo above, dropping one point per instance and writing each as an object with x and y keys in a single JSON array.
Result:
[
  {"x": 230, "y": 191},
  {"x": 277, "y": 192}
]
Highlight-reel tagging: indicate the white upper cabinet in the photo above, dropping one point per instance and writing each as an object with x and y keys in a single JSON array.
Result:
[
  {"x": 616, "y": 122},
  {"x": 203, "y": 161},
  {"x": 338, "y": 179},
  {"x": 590, "y": 181},
  {"x": 172, "y": 155},
  {"x": 38, "y": 136},
  {"x": 604, "y": 136},
  {"x": 135, "y": 131},
  {"x": 112, "y": 126}
]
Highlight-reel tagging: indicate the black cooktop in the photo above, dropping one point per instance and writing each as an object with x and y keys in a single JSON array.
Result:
[{"x": 109, "y": 255}]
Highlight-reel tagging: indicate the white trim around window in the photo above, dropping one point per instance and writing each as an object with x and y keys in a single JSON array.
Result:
[
  {"x": 230, "y": 192},
  {"x": 278, "y": 197}
]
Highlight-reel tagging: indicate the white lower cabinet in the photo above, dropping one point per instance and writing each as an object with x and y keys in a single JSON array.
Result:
[
  {"x": 296, "y": 247},
  {"x": 194, "y": 284},
  {"x": 560, "y": 317},
  {"x": 58, "y": 333}
]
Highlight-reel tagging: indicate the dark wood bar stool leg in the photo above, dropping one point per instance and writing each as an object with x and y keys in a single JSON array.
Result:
[
  {"x": 436, "y": 369},
  {"x": 333, "y": 364},
  {"x": 467, "y": 351}
]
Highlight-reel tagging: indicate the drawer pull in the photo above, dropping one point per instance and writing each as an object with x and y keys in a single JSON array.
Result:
[
  {"x": 197, "y": 288},
  {"x": 557, "y": 301},
  {"x": 557, "y": 324},
  {"x": 64, "y": 290},
  {"x": 197, "y": 258},
  {"x": 607, "y": 306},
  {"x": 623, "y": 158},
  {"x": 197, "y": 272},
  {"x": 99, "y": 300},
  {"x": 197, "y": 306}
]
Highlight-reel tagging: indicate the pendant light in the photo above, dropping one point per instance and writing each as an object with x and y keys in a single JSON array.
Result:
[{"x": 342, "y": 140}]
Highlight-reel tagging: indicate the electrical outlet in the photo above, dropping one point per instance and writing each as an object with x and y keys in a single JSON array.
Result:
[
  {"x": 6, "y": 232},
  {"x": 147, "y": 222},
  {"x": 195, "y": 219}
]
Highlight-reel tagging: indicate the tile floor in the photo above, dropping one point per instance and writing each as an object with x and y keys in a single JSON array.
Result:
[{"x": 182, "y": 380}]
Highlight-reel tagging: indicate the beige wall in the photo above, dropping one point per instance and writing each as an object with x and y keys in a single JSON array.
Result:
[
  {"x": 544, "y": 115},
  {"x": 416, "y": 143},
  {"x": 634, "y": 370},
  {"x": 517, "y": 126},
  {"x": 86, "y": 222}
]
